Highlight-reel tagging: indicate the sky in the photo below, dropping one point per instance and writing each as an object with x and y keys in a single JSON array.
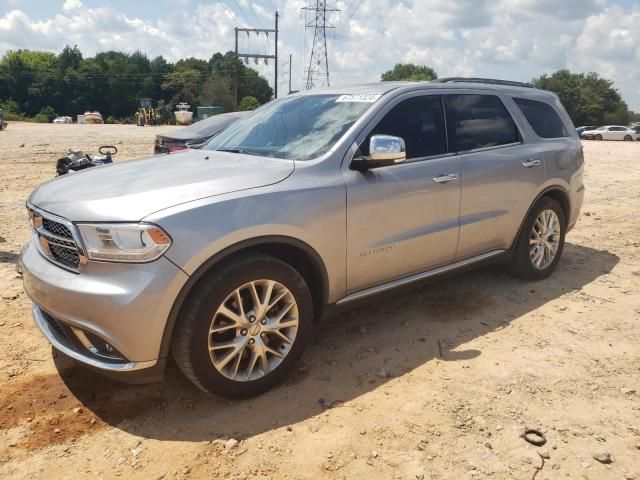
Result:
[{"x": 509, "y": 39}]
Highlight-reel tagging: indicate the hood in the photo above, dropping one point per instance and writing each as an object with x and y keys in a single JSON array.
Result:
[{"x": 131, "y": 190}]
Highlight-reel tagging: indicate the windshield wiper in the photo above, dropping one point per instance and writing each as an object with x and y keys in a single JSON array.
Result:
[{"x": 231, "y": 150}]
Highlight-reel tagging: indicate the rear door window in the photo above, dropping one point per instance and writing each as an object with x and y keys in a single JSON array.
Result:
[
  {"x": 543, "y": 118},
  {"x": 478, "y": 121}
]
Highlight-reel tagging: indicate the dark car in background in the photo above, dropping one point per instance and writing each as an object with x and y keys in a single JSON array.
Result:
[
  {"x": 585, "y": 129},
  {"x": 196, "y": 135}
]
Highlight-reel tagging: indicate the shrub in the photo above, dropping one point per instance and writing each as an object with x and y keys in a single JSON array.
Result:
[
  {"x": 46, "y": 115},
  {"x": 11, "y": 110},
  {"x": 248, "y": 103}
]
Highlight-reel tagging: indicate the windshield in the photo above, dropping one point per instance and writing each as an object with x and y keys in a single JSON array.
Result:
[
  {"x": 601, "y": 128},
  {"x": 300, "y": 128}
]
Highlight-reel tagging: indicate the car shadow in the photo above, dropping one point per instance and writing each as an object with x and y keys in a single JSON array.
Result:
[{"x": 352, "y": 354}]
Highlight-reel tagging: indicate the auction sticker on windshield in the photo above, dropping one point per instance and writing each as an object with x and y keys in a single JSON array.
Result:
[{"x": 362, "y": 97}]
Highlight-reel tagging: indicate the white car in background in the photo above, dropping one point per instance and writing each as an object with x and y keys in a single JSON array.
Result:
[
  {"x": 610, "y": 132},
  {"x": 63, "y": 120}
]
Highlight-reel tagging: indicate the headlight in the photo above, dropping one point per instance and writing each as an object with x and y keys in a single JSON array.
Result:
[{"x": 124, "y": 242}]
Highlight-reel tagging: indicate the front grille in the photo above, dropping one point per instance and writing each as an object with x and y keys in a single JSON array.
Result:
[
  {"x": 56, "y": 240},
  {"x": 65, "y": 255},
  {"x": 56, "y": 228}
]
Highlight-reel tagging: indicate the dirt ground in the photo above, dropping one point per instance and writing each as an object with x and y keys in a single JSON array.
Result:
[{"x": 433, "y": 382}]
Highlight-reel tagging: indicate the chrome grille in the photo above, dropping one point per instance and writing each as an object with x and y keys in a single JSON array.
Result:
[
  {"x": 56, "y": 240},
  {"x": 65, "y": 255},
  {"x": 56, "y": 228}
]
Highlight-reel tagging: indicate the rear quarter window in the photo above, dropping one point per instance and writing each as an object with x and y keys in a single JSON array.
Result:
[{"x": 543, "y": 118}]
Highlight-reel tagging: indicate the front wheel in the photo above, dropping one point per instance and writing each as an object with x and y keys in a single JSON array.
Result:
[
  {"x": 598, "y": 137},
  {"x": 627, "y": 138},
  {"x": 244, "y": 327},
  {"x": 541, "y": 241}
]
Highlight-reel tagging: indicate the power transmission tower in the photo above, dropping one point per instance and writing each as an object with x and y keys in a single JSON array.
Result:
[{"x": 318, "y": 71}]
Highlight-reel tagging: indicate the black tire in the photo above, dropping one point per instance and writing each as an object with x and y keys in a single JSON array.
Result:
[
  {"x": 598, "y": 137},
  {"x": 627, "y": 138},
  {"x": 521, "y": 264},
  {"x": 190, "y": 338}
]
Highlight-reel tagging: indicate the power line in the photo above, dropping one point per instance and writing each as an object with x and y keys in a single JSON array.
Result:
[
  {"x": 242, "y": 12},
  {"x": 348, "y": 15}
]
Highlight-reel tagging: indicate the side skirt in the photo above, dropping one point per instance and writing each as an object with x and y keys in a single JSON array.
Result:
[{"x": 359, "y": 295}]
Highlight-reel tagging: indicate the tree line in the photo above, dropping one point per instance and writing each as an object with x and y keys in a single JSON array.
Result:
[
  {"x": 588, "y": 98},
  {"x": 41, "y": 85}
]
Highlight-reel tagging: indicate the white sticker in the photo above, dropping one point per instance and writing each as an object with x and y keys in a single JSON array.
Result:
[{"x": 362, "y": 97}]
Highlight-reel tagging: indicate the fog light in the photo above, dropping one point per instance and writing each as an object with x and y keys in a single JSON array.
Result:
[{"x": 98, "y": 346}]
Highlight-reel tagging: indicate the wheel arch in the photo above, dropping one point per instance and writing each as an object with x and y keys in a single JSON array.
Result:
[
  {"x": 558, "y": 193},
  {"x": 292, "y": 251}
]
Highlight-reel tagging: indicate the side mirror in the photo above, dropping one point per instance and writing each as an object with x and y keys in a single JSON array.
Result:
[{"x": 384, "y": 150}]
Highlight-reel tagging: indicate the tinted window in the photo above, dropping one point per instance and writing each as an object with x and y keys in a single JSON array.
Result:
[
  {"x": 478, "y": 121},
  {"x": 420, "y": 122},
  {"x": 543, "y": 118}
]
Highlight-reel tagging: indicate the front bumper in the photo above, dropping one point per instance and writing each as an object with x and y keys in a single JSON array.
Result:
[{"x": 123, "y": 305}]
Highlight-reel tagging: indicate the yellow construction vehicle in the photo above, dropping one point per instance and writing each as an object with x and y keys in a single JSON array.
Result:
[{"x": 146, "y": 114}]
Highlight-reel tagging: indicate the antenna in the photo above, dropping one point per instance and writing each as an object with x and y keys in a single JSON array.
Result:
[{"x": 318, "y": 70}]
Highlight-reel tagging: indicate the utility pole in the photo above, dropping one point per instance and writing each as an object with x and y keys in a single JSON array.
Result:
[
  {"x": 235, "y": 75},
  {"x": 248, "y": 55},
  {"x": 318, "y": 71},
  {"x": 275, "y": 78},
  {"x": 290, "y": 56}
]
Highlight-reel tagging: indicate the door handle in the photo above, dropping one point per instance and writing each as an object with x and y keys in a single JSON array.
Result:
[
  {"x": 531, "y": 163},
  {"x": 447, "y": 177}
]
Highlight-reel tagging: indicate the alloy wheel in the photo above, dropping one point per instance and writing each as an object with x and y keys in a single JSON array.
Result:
[
  {"x": 253, "y": 330},
  {"x": 545, "y": 239}
]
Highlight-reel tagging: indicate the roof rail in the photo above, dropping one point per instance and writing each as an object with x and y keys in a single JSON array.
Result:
[{"x": 490, "y": 81}]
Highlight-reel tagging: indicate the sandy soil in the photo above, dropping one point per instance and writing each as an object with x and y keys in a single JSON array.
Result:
[{"x": 433, "y": 382}]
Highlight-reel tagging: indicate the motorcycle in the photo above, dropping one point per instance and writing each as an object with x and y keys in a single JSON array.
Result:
[{"x": 76, "y": 160}]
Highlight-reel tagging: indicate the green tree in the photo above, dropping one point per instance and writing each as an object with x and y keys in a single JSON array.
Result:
[
  {"x": 185, "y": 85},
  {"x": 113, "y": 82},
  {"x": 588, "y": 98},
  {"x": 248, "y": 103},
  {"x": 409, "y": 72},
  {"x": 217, "y": 91},
  {"x": 249, "y": 81}
]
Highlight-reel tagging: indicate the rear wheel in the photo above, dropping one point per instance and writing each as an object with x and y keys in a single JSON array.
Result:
[
  {"x": 541, "y": 241},
  {"x": 244, "y": 327}
]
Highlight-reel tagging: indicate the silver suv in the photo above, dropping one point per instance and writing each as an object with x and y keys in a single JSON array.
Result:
[{"x": 225, "y": 257}]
